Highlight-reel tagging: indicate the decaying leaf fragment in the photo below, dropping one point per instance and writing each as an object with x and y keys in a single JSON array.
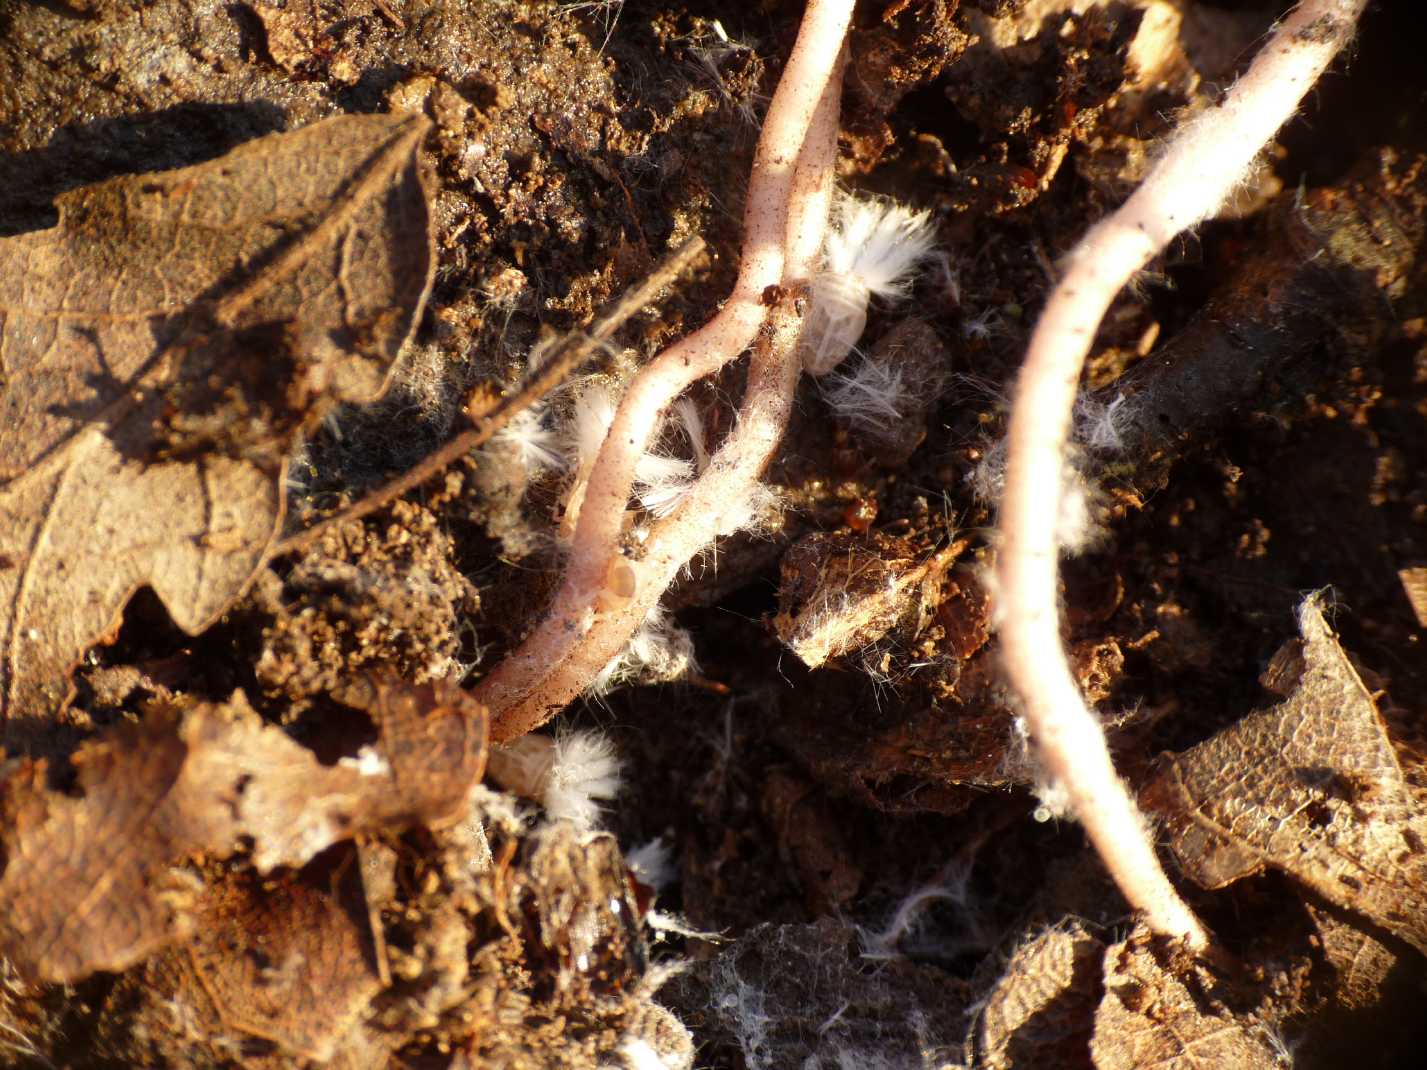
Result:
[
  {"x": 1360, "y": 961},
  {"x": 89, "y": 880},
  {"x": 1414, "y": 586},
  {"x": 1149, "y": 1017},
  {"x": 160, "y": 348},
  {"x": 284, "y": 962},
  {"x": 531, "y": 955},
  {"x": 1038, "y": 1013},
  {"x": 88, "y": 883},
  {"x": 429, "y": 753},
  {"x": 841, "y": 591},
  {"x": 1311, "y": 787}
]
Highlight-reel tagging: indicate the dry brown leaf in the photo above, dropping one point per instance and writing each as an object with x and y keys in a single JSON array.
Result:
[
  {"x": 1311, "y": 787},
  {"x": 88, "y": 882},
  {"x": 536, "y": 958},
  {"x": 430, "y": 751},
  {"x": 158, "y": 350},
  {"x": 1360, "y": 961},
  {"x": 1038, "y": 1013},
  {"x": 1149, "y": 1019},
  {"x": 812, "y": 836},
  {"x": 283, "y": 961}
]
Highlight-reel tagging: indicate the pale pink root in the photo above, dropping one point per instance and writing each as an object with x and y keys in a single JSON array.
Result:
[
  {"x": 1202, "y": 164},
  {"x": 699, "y": 519},
  {"x": 772, "y": 220},
  {"x": 713, "y": 506}
]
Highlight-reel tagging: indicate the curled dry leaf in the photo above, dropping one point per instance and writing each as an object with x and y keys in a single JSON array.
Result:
[
  {"x": 160, "y": 348},
  {"x": 1038, "y": 1013},
  {"x": 430, "y": 751},
  {"x": 1150, "y": 1017},
  {"x": 89, "y": 881},
  {"x": 1311, "y": 787}
]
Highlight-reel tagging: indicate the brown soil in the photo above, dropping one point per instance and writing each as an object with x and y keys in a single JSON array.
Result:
[{"x": 572, "y": 146}]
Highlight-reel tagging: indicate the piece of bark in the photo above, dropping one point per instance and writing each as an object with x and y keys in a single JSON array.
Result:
[
  {"x": 840, "y": 591},
  {"x": 1333, "y": 276},
  {"x": 1311, "y": 787},
  {"x": 161, "y": 348},
  {"x": 813, "y": 838}
]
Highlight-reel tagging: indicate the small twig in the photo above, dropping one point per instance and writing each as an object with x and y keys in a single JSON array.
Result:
[
  {"x": 570, "y": 353},
  {"x": 1201, "y": 165}
]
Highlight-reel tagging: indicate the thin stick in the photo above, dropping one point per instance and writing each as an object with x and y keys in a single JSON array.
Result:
[
  {"x": 1203, "y": 163},
  {"x": 572, "y": 351}
]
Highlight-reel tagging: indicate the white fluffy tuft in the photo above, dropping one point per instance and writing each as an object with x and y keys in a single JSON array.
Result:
[
  {"x": 878, "y": 243},
  {"x": 661, "y": 482},
  {"x": 639, "y": 1054},
  {"x": 692, "y": 421},
  {"x": 870, "y": 398},
  {"x": 1098, "y": 426},
  {"x": 758, "y": 511},
  {"x": 585, "y": 769},
  {"x": 658, "y": 651},
  {"x": 871, "y": 250},
  {"x": 652, "y": 863},
  {"x": 880, "y": 946},
  {"x": 1097, "y": 434},
  {"x": 538, "y": 447},
  {"x": 909, "y": 929},
  {"x": 594, "y": 413}
]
